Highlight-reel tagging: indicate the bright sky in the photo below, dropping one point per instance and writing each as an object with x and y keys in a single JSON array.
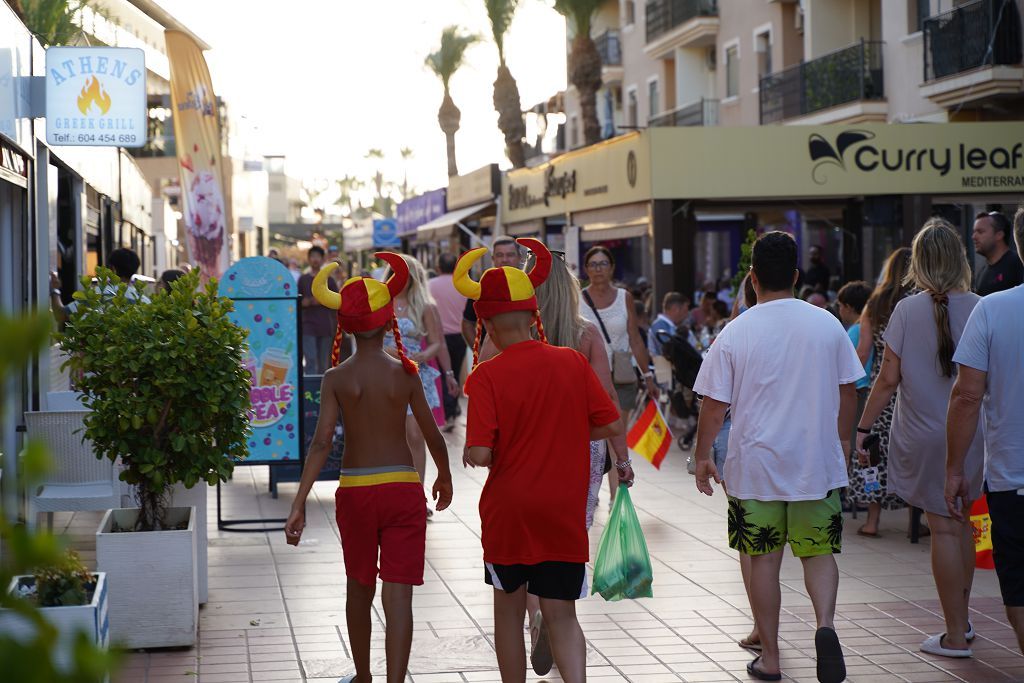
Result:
[{"x": 323, "y": 81}]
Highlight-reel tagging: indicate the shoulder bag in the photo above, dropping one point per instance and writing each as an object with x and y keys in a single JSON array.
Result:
[{"x": 623, "y": 371}]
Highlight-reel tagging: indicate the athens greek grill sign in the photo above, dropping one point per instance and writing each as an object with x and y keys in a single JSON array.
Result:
[{"x": 96, "y": 96}]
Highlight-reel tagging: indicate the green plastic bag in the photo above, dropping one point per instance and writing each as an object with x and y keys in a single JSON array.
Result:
[{"x": 623, "y": 567}]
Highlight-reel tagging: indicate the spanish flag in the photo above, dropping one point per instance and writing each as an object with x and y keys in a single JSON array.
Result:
[
  {"x": 649, "y": 435},
  {"x": 982, "y": 525}
]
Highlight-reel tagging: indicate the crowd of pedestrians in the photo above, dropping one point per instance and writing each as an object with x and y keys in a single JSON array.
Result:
[
  {"x": 930, "y": 372},
  {"x": 908, "y": 393}
]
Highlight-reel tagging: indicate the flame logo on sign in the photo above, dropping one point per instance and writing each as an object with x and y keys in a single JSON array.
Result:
[{"x": 94, "y": 97}]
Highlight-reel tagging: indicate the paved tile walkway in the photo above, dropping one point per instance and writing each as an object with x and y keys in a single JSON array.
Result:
[{"x": 276, "y": 613}]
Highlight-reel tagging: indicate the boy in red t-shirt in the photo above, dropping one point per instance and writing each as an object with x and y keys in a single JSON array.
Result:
[
  {"x": 533, "y": 411},
  {"x": 379, "y": 503}
]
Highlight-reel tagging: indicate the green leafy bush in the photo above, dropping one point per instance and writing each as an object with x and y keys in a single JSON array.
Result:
[
  {"x": 164, "y": 382},
  {"x": 746, "y": 252},
  {"x": 63, "y": 583},
  {"x": 31, "y": 660}
]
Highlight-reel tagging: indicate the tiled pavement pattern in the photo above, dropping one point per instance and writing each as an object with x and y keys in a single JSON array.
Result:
[{"x": 276, "y": 613}]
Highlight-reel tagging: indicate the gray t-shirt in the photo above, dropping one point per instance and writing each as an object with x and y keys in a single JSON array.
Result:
[
  {"x": 917, "y": 439},
  {"x": 993, "y": 342}
]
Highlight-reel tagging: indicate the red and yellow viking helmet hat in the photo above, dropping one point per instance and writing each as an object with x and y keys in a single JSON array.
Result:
[
  {"x": 505, "y": 289},
  {"x": 364, "y": 304}
]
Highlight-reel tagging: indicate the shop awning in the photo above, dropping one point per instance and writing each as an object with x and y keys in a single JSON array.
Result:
[
  {"x": 442, "y": 224},
  {"x": 625, "y": 221},
  {"x": 525, "y": 229}
]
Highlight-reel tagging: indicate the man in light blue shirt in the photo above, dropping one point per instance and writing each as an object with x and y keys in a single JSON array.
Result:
[
  {"x": 990, "y": 356},
  {"x": 674, "y": 309}
]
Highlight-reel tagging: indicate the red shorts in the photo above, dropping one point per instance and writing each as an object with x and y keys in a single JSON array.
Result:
[{"x": 385, "y": 513}]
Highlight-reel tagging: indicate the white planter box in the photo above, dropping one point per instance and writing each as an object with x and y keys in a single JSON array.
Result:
[
  {"x": 182, "y": 497},
  {"x": 152, "y": 580},
  {"x": 196, "y": 497},
  {"x": 91, "y": 618}
]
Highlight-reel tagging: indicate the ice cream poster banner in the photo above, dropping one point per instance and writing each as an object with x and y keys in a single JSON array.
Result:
[
  {"x": 197, "y": 130},
  {"x": 273, "y": 363}
]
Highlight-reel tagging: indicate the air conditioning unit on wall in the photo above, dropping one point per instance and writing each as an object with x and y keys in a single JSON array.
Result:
[{"x": 711, "y": 58}]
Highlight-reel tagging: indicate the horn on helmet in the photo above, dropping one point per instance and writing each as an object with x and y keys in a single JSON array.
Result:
[
  {"x": 542, "y": 266},
  {"x": 400, "y": 271},
  {"x": 323, "y": 293},
  {"x": 466, "y": 285}
]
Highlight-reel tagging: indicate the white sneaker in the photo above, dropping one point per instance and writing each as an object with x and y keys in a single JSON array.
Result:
[{"x": 933, "y": 646}]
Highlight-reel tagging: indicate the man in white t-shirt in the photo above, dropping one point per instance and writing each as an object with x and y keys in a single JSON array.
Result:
[
  {"x": 788, "y": 371},
  {"x": 989, "y": 360}
]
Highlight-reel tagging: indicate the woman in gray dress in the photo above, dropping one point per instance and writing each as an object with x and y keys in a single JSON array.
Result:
[{"x": 918, "y": 367}]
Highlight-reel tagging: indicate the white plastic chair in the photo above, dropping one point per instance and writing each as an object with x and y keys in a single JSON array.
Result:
[{"x": 77, "y": 480}]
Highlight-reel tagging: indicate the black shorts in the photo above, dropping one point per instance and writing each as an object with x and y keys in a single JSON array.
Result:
[
  {"x": 551, "y": 580},
  {"x": 1006, "y": 509}
]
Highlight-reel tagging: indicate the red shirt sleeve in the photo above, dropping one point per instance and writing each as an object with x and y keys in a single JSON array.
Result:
[
  {"x": 482, "y": 421},
  {"x": 600, "y": 408}
]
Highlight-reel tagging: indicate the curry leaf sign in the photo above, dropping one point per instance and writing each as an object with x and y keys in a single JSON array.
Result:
[{"x": 868, "y": 158}]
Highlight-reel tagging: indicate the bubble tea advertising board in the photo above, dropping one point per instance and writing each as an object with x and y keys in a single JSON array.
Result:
[{"x": 265, "y": 299}]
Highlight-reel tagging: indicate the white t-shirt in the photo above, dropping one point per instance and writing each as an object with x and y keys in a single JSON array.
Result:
[
  {"x": 779, "y": 366},
  {"x": 993, "y": 342}
]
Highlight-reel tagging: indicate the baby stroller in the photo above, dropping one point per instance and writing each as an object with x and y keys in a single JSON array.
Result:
[{"x": 685, "y": 361}]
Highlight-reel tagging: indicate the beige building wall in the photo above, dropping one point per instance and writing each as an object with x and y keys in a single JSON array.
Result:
[
  {"x": 903, "y": 66},
  {"x": 799, "y": 30},
  {"x": 740, "y": 25},
  {"x": 639, "y": 69}
]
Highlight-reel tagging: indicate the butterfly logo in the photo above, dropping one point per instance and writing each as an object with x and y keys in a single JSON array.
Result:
[{"x": 823, "y": 153}]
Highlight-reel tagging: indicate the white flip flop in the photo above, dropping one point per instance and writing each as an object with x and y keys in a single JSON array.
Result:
[
  {"x": 970, "y": 631},
  {"x": 933, "y": 646}
]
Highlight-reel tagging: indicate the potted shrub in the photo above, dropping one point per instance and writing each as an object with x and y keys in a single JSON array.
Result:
[
  {"x": 35, "y": 646},
  {"x": 168, "y": 396},
  {"x": 69, "y": 597}
]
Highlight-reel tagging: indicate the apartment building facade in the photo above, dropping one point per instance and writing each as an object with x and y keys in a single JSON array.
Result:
[{"x": 707, "y": 64}]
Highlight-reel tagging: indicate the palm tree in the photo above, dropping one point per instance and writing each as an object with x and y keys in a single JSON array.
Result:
[
  {"x": 741, "y": 531},
  {"x": 52, "y": 21},
  {"x": 834, "y": 531},
  {"x": 407, "y": 154},
  {"x": 765, "y": 539},
  {"x": 444, "y": 63},
  {"x": 347, "y": 187},
  {"x": 584, "y": 62},
  {"x": 506, "y": 91}
]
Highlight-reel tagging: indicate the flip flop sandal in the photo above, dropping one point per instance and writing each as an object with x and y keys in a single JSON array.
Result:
[
  {"x": 831, "y": 665},
  {"x": 933, "y": 646},
  {"x": 748, "y": 644},
  {"x": 761, "y": 675},
  {"x": 540, "y": 656},
  {"x": 970, "y": 632}
]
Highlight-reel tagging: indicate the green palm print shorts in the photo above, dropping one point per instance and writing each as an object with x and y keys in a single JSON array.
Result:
[{"x": 812, "y": 527}]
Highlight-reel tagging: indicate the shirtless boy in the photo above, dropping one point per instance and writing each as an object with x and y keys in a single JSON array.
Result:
[{"x": 379, "y": 502}]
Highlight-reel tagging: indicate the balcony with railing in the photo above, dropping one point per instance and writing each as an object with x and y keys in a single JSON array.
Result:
[
  {"x": 609, "y": 47},
  {"x": 850, "y": 75},
  {"x": 703, "y": 112},
  {"x": 973, "y": 52},
  {"x": 681, "y": 23}
]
